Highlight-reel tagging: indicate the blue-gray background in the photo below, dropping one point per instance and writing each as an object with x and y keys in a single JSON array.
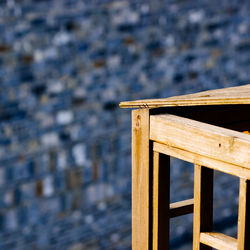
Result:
[{"x": 65, "y": 144}]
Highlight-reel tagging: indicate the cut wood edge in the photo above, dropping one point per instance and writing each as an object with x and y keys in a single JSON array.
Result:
[
  {"x": 181, "y": 208},
  {"x": 177, "y": 103},
  {"x": 218, "y": 240},
  {"x": 233, "y": 95}
]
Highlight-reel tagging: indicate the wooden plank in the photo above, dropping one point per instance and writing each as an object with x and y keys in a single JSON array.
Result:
[
  {"x": 197, "y": 213},
  {"x": 234, "y": 95},
  {"x": 161, "y": 197},
  {"x": 202, "y": 160},
  {"x": 181, "y": 208},
  {"x": 201, "y": 138},
  {"x": 243, "y": 215},
  {"x": 155, "y": 199},
  {"x": 203, "y": 204},
  {"x": 219, "y": 241},
  {"x": 140, "y": 180}
]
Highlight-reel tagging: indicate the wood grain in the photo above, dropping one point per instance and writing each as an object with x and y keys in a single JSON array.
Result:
[
  {"x": 233, "y": 95},
  {"x": 181, "y": 208},
  {"x": 203, "y": 205},
  {"x": 243, "y": 215},
  {"x": 201, "y": 138},
  {"x": 155, "y": 199},
  {"x": 202, "y": 160},
  {"x": 140, "y": 179},
  {"x": 219, "y": 241}
]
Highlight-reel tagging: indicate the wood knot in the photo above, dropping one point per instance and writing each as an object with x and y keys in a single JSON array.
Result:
[
  {"x": 138, "y": 121},
  {"x": 204, "y": 95}
]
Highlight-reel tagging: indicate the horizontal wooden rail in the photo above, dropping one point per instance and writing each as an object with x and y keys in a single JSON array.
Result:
[
  {"x": 219, "y": 241},
  {"x": 202, "y": 160},
  {"x": 181, "y": 208},
  {"x": 201, "y": 139}
]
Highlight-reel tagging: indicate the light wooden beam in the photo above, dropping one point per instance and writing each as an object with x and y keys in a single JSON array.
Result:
[
  {"x": 203, "y": 205},
  {"x": 243, "y": 215},
  {"x": 140, "y": 179},
  {"x": 181, "y": 208},
  {"x": 202, "y": 160},
  {"x": 219, "y": 241},
  {"x": 201, "y": 139}
]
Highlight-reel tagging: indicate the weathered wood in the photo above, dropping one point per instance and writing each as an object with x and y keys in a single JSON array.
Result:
[
  {"x": 200, "y": 138},
  {"x": 219, "y": 241},
  {"x": 202, "y": 160},
  {"x": 203, "y": 204},
  {"x": 243, "y": 215},
  {"x": 161, "y": 194},
  {"x": 140, "y": 180},
  {"x": 181, "y": 208},
  {"x": 234, "y": 95}
]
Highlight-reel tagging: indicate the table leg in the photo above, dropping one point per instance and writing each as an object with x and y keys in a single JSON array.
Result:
[{"x": 140, "y": 180}]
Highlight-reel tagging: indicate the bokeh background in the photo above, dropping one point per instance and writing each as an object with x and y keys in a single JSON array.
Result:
[{"x": 64, "y": 143}]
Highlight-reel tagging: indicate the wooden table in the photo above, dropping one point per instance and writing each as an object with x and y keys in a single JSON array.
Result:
[{"x": 205, "y": 129}]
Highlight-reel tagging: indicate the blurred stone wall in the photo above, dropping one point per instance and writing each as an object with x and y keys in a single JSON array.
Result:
[{"x": 65, "y": 144}]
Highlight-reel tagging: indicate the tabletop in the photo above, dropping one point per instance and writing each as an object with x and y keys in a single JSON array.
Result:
[{"x": 224, "y": 96}]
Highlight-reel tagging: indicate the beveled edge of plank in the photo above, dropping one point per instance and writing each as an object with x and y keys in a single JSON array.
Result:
[
  {"x": 180, "y": 208},
  {"x": 218, "y": 240},
  {"x": 179, "y": 103},
  {"x": 224, "y": 96}
]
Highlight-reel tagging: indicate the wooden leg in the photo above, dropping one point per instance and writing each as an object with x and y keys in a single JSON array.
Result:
[
  {"x": 140, "y": 180},
  {"x": 161, "y": 195},
  {"x": 244, "y": 216},
  {"x": 203, "y": 204}
]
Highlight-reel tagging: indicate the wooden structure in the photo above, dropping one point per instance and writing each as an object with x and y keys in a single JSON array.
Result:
[{"x": 205, "y": 129}]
